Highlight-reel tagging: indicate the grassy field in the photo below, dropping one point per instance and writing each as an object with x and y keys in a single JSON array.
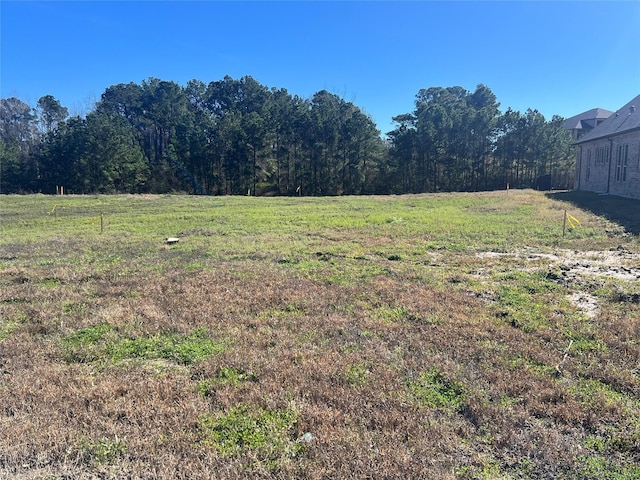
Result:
[{"x": 427, "y": 336}]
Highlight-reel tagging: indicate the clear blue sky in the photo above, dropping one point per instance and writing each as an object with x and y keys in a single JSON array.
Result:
[{"x": 558, "y": 57}]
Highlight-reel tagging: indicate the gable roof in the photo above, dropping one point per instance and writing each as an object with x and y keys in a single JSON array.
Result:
[
  {"x": 593, "y": 114},
  {"x": 622, "y": 121}
]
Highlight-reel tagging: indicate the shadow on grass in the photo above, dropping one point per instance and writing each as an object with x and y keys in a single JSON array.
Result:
[{"x": 623, "y": 211}]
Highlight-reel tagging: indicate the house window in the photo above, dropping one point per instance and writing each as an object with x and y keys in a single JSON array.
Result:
[
  {"x": 588, "y": 164},
  {"x": 621, "y": 163},
  {"x": 602, "y": 155},
  {"x": 624, "y": 163}
]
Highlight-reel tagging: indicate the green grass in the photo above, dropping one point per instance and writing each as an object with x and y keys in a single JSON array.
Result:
[
  {"x": 600, "y": 468},
  {"x": 600, "y": 396},
  {"x": 357, "y": 374},
  {"x": 243, "y": 429},
  {"x": 391, "y": 314},
  {"x": 241, "y": 227},
  {"x": 6, "y": 328},
  {"x": 95, "y": 344},
  {"x": 418, "y": 336},
  {"x": 225, "y": 376},
  {"x": 433, "y": 389},
  {"x": 102, "y": 451}
]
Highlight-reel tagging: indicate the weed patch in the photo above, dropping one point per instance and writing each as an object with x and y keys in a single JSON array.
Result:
[
  {"x": 225, "y": 376},
  {"x": 532, "y": 366},
  {"x": 102, "y": 451},
  {"x": 267, "y": 434},
  {"x": 598, "y": 467},
  {"x": 600, "y": 396},
  {"x": 105, "y": 343},
  {"x": 527, "y": 301},
  {"x": 6, "y": 328},
  {"x": 391, "y": 314},
  {"x": 434, "y": 390},
  {"x": 357, "y": 374}
]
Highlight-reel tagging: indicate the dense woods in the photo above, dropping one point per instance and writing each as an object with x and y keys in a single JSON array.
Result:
[{"x": 237, "y": 136}]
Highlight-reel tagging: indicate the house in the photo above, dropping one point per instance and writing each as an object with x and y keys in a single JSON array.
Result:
[
  {"x": 585, "y": 122},
  {"x": 608, "y": 156}
]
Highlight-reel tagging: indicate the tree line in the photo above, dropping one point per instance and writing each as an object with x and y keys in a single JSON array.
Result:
[{"x": 237, "y": 136}]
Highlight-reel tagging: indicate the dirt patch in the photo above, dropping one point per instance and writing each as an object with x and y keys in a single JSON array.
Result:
[
  {"x": 574, "y": 268},
  {"x": 618, "y": 264},
  {"x": 585, "y": 302}
]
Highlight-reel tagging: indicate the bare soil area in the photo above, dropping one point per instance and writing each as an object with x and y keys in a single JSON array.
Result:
[{"x": 575, "y": 268}]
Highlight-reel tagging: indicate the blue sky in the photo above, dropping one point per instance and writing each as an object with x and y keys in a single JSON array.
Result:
[{"x": 557, "y": 57}]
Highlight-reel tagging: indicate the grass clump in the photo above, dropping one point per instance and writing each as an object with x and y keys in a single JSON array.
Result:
[
  {"x": 358, "y": 373},
  {"x": 603, "y": 398},
  {"x": 88, "y": 344},
  {"x": 434, "y": 390},
  {"x": 104, "y": 343},
  {"x": 532, "y": 366},
  {"x": 526, "y": 300},
  {"x": 235, "y": 376},
  {"x": 102, "y": 451},
  {"x": 7, "y": 328},
  {"x": 391, "y": 314},
  {"x": 246, "y": 429},
  {"x": 600, "y": 468},
  {"x": 225, "y": 376}
]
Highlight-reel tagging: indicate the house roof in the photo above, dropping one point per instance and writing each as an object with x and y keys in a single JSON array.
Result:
[
  {"x": 624, "y": 120},
  {"x": 593, "y": 114}
]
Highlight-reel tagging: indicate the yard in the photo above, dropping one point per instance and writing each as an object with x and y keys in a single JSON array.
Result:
[{"x": 419, "y": 336}]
